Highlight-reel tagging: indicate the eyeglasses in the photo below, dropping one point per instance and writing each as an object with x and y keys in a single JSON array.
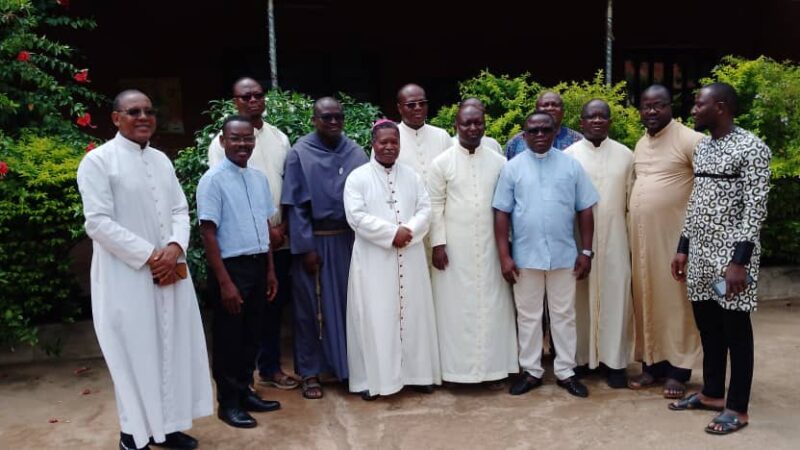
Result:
[
  {"x": 414, "y": 105},
  {"x": 137, "y": 112},
  {"x": 329, "y": 117},
  {"x": 657, "y": 107},
  {"x": 248, "y": 97},
  {"x": 533, "y": 131}
]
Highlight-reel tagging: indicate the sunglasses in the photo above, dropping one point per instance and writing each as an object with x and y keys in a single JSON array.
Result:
[
  {"x": 248, "y": 97},
  {"x": 329, "y": 117},
  {"x": 137, "y": 112},
  {"x": 539, "y": 130},
  {"x": 415, "y": 105}
]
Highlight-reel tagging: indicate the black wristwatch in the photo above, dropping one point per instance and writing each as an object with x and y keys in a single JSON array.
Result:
[{"x": 588, "y": 253}]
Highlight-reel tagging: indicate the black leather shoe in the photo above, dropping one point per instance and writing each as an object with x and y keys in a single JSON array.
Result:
[
  {"x": 617, "y": 379},
  {"x": 366, "y": 397},
  {"x": 177, "y": 441},
  {"x": 525, "y": 384},
  {"x": 582, "y": 371},
  {"x": 126, "y": 443},
  {"x": 255, "y": 403},
  {"x": 574, "y": 387},
  {"x": 236, "y": 417},
  {"x": 424, "y": 389}
]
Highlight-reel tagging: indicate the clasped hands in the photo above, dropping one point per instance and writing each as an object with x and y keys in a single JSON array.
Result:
[{"x": 162, "y": 263}]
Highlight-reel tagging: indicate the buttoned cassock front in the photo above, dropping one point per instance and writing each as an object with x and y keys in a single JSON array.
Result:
[
  {"x": 474, "y": 309},
  {"x": 151, "y": 336},
  {"x": 419, "y": 147}
]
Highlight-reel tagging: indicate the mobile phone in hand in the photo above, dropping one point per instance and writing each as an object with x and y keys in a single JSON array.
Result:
[{"x": 719, "y": 286}]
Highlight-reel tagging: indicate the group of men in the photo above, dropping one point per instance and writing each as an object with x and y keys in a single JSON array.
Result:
[{"x": 431, "y": 261}]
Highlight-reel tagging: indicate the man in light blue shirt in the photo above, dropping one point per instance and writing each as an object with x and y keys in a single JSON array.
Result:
[
  {"x": 539, "y": 193},
  {"x": 234, "y": 204}
]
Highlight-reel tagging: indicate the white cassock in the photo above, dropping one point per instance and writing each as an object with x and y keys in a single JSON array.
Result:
[
  {"x": 152, "y": 337},
  {"x": 474, "y": 308},
  {"x": 419, "y": 147},
  {"x": 603, "y": 304},
  {"x": 486, "y": 142},
  {"x": 391, "y": 328}
]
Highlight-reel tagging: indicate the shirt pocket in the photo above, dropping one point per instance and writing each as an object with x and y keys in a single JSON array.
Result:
[{"x": 560, "y": 189}]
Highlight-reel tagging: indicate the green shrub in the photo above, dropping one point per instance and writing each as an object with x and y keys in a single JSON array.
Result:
[
  {"x": 509, "y": 100},
  {"x": 769, "y": 101},
  {"x": 40, "y": 221},
  {"x": 291, "y": 113}
]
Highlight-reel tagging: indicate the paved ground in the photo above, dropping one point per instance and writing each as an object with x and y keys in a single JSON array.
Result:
[{"x": 81, "y": 407}]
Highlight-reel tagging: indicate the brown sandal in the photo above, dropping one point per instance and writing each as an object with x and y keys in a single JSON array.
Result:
[
  {"x": 311, "y": 388},
  {"x": 280, "y": 381},
  {"x": 641, "y": 381}
]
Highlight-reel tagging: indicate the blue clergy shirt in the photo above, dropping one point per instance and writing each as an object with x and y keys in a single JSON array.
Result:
[
  {"x": 543, "y": 194},
  {"x": 239, "y": 202}
]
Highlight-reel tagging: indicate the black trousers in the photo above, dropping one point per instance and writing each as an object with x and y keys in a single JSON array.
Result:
[
  {"x": 236, "y": 336},
  {"x": 724, "y": 331},
  {"x": 269, "y": 354}
]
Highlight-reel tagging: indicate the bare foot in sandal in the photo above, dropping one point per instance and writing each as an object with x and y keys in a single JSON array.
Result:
[
  {"x": 641, "y": 381},
  {"x": 311, "y": 388},
  {"x": 674, "y": 389}
]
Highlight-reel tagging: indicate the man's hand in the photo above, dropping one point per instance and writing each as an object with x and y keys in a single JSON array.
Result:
[
  {"x": 583, "y": 265},
  {"x": 735, "y": 280},
  {"x": 509, "y": 269},
  {"x": 311, "y": 262},
  {"x": 402, "y": 237},
  {"x": 272, "y": 285},
  {"x": 162, "y": 262},
  {"x": 678, "y": 267},
  {"x": 169, "y": 279},
  {"x": 439, "y": 257},
  {"x": 276, "y": 238},
  {"x": 231, "y": 299}
]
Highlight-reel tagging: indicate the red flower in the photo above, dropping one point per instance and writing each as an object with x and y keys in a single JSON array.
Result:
[
  {"x": 23, "y": 56},
  {"x": 82, "y": 76},
  {"x": 85, "y": 120},
  {"x": 91, "y": 146},
  {"x": 3, "y": 169},
  {"x": 64, "y": 3}
]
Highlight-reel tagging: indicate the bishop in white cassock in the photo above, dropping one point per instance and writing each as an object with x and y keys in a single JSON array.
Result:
[
  {"x": 147, "y": 321},
  {"x": 603, "y": 304},
  {"x": 391, "y": 328},
  {"x": 474, "y": 308}
]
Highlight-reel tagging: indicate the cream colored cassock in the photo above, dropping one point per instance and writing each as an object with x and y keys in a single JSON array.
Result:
[
  {"x": 474, "y": 308},
  {"x": 419, "y": 147},
  {"x": 603, "y": 305},
  {"x": 152, "y": 337},
  {"x": 486, "y": 142},
  {"x": 391, "y": 329},
  {"x": 663, "y": 177},
  {"x": 269, "y": 156}
]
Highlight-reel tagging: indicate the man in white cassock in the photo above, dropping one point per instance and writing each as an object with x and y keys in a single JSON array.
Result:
[
  {"x": 143, "y": 302},
  {"x": 603, "y": 304},
  {"x": 420, "y": 142},
  {"x": 474, "y": 308},
  {"x": 391, "y": 329}
]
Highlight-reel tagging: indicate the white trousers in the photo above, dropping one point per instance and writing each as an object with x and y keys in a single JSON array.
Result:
[{"x": 529, "y": 292}]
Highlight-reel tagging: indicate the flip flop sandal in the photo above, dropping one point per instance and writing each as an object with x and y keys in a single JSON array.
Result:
[
  {"x": 307, "y": 386},
  {"x": 692, "y": 402},
  {"x": 283, "y": 382},
  {"x": 638, "y": 382},
  {"x": 730, "y": 423}
]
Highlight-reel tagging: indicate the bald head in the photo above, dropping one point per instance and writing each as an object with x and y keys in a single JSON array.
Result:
[
  {"x": 410, "y": 89},
  {"x": 551, "y": 103},
  {"x": 245, "y": 82},
  {"x": 118, "y": 100},
  {"x": 594, "y": 105},
  {"x": 657, "y": 92},
  {"x": 325, "y": 103},
  {"x": 473, "y": 101}
]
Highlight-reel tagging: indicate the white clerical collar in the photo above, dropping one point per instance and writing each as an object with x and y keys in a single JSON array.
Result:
[
  {"x": 129, "y": 144},
  {"x": 411, "y": 130}
]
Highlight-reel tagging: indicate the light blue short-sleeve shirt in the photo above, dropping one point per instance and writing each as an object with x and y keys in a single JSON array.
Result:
[
  {"x": 239, "y": 202},
  {"x": 543, "y": 194}
]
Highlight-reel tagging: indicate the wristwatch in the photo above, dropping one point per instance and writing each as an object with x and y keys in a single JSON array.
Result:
[{"x": 588, "y": 253}]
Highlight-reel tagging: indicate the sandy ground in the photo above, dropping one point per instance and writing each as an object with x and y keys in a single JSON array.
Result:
[{"x": 48, "y": 406}]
